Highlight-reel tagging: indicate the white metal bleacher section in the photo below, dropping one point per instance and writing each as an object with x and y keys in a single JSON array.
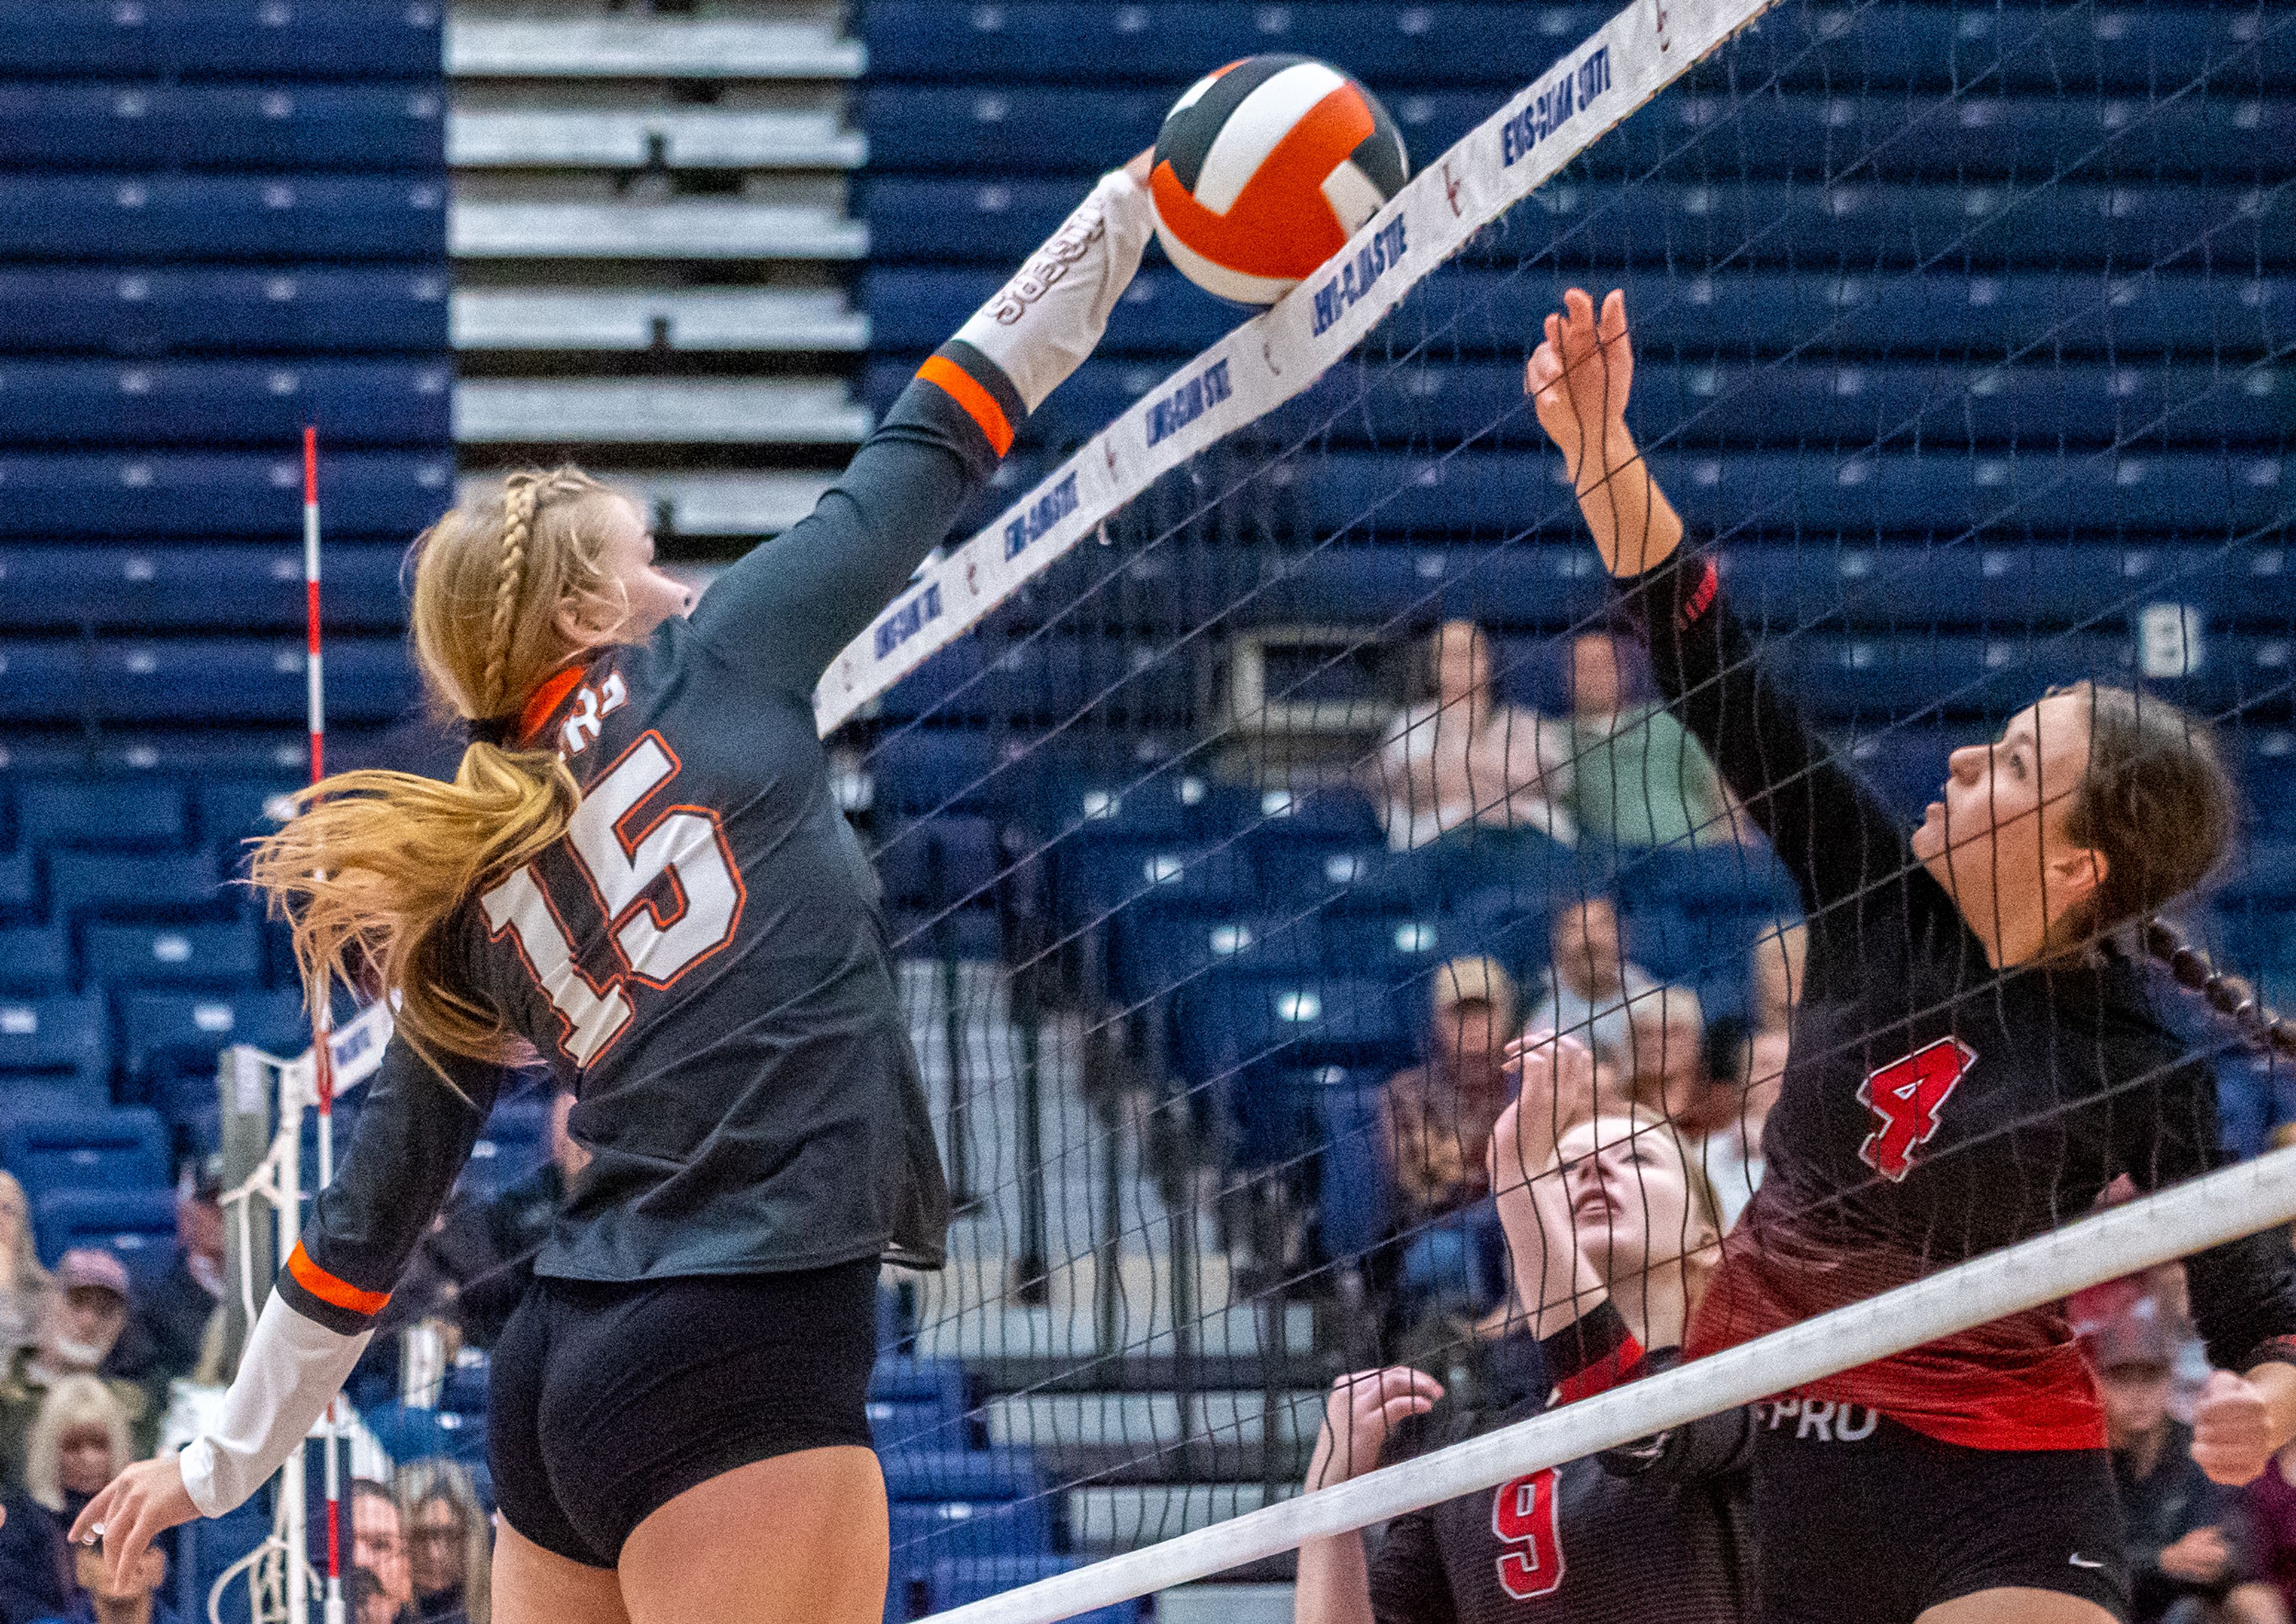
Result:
[{"x": 650, "y": 234}]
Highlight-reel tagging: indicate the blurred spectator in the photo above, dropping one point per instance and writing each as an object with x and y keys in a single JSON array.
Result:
[
  {"x": 379, "y": 1542},
  {"x": 79, "y": 1441},
  {"x": 449, "y": 1543},
  {"x": 1638, "y": 779},
  {"x": 170, "y": 1324},
  {"x": 1460, "y": 759},
  {"x": 36, "y": 1563},
  {"x": 364, "y": 1600},
  {"x": 119, "y": 1598},
  {"x": 2188, "y": 1559},
  {"x": 1437, "y": 1120},
  {"x": 1733, "y": 1151},
  {"x": 24, "y": 1284},
  {"x": 1665, "y": 1072},
  {"x": 86, "y": 1315},
  {"x": 1590, "y": 981}
]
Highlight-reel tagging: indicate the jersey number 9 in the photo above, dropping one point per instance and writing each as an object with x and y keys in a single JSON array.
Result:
[
  {"x": 1524, "y": 1514},
  {"x": 656, "y": 941}
]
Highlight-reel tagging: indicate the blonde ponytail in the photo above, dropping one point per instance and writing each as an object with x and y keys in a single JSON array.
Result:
[{"x": 375, "y": 866}]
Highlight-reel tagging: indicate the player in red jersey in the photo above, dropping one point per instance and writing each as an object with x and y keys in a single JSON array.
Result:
[{"x": 1980, "y": 1050}]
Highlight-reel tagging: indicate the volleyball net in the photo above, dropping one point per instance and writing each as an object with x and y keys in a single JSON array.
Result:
[{"x": 1221, "y": 856}]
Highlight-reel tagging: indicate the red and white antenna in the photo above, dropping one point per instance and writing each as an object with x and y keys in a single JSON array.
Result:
[{"x": 322, "y": 1013}]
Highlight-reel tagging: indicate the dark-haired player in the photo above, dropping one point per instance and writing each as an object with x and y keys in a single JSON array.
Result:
[{"x": 1980, "y": 1050}]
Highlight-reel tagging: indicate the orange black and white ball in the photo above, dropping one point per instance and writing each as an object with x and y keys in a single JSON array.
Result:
[{"x": 1265, "y": 168}]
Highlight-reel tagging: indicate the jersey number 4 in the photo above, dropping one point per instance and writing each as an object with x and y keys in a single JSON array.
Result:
[
  {"x": 1907, "y": 1095},
  {"x": 657, "y": 939},
  {"x": 1523, "y": 1515}
]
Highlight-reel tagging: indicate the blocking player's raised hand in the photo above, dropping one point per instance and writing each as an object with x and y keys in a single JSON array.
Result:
[
  {"x": 1578, "y": 379},
  {"x": 1359, "y": 1412}
]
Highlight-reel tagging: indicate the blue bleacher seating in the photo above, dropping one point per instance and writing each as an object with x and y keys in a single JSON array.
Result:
[
  {"x": 63, "y": 1041},
  {"x": 941, "y": 863},
  {"x": 965, "y": 1503},
  {"x": 1354, "y": 1183},
  {"x": 164, "y": 1033},
  {"x": 231, "y": 810},
  {"x": 290, "y": 311},
  {"x": 1102, "y": 874},
  {"x": 277, "y": 125},
  {"x": 1229, "y": 1019},
  {"x": 369, "y": 493},
  {"x": 215, "y": 954},
  {"x": 149, "y": 588},
  {"x": 158, "y": 217},
  {"x": 913, "y": 307},
  {"x": 922, "y": 770},
  {"x": 511, "y": 1144},
  {"x": 2018, "y": 48},
  {"x": 123, "y": 1147},
  {"x": 35, "y": 959},
  {"x": 124, "y": 812},
  {"x": 65, "y": 404},
  {"x": 344, "y": 38},
  {"x": 242, "y": 680},
  {"x": 142, "y": 885},
  {"x": 138, "y": 1225},
  {"x": 19, "y": 885},
  {"x": 914, "y": 218}
]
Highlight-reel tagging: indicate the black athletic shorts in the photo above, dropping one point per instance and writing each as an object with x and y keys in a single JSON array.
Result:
[
  {"x": 605, "y": 1401},
  {"x": 1857, "y": 1516}
]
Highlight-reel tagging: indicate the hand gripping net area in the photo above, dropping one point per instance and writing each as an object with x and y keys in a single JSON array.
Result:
[{"x": 1962, "y": 334}]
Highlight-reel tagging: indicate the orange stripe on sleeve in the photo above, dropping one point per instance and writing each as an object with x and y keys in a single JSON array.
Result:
[
  {"x": 978, "y": 404},
  {"x": 326, "y": 1288}
]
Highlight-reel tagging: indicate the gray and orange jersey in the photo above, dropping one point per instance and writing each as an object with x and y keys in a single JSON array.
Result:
[{"x": 701, "y": 957}]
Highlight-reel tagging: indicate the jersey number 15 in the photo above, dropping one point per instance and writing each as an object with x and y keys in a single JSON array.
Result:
[{"x": 656, "y": 940}]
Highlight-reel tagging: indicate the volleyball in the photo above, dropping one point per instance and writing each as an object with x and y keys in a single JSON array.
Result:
[{"x": 1265, "y": 168}]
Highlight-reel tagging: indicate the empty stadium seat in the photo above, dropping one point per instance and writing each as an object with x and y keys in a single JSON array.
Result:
[
  {"x": 137, "y": 1226},
  {"x": 156, "y": 218},
  {"x": 1354, "y": 1185},
  {"x": 35, "y": 959},
  {"x": 19, "y": 885},
  {"x": 511, "y": 1145},
  {"x": 222, "y": 404},
  {"x": 966, "y": 1503},
  {"x": 173, "y": 1033},
  {"x": 940, "y": 862},
  {"x": 1225, "y": 1020},
  {"x": 282, "y": 126},
  {"x": 58, "y": 1042},
  {"x": 233, "y": 810},
  {"x": 922, "y": 770},
  {"x": 124, "y": 812},
  {"x": 216, "y": 956},
  {"x": 343, "y": 39},
  {"x": 151, "y": 588},
  {"x": 122, "y": 1148},
  {"x": 216, "y": 680},
  {"x": 143, "y": 884},
  {"x": 368, "y": 494},
  {"x": 164, "y": 311}
]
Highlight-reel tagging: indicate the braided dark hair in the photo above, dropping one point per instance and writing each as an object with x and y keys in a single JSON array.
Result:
[{"x": 2159, "y": 805}]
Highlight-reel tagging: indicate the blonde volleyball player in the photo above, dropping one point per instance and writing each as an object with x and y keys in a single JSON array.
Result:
[{"x": 641, "y": 875}]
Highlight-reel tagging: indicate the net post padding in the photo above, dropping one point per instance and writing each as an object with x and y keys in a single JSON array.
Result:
[
  {"x": 1279, "y": 353},
  {"x": 2208, "y": 1211}
]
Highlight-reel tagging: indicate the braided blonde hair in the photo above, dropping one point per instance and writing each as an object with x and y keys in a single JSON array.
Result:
[{"x": 506, "y": 590}]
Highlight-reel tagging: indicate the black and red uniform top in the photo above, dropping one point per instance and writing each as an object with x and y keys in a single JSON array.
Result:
[
  {"x": 1657, "y": 1530},
  {"x": 1934, "y": 1107}
]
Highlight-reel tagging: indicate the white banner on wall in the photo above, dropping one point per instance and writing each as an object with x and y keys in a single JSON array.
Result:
[{"x": 1280, "y": 352}]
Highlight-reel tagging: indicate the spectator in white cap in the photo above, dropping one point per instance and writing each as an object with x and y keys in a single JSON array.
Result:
[{"x": 85, "y": 1316}]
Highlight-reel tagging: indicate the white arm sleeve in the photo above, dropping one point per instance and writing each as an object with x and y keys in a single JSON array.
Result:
[
  {"x": 292, "y": 1368},
  {"x": 1043, "y": 322}
]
